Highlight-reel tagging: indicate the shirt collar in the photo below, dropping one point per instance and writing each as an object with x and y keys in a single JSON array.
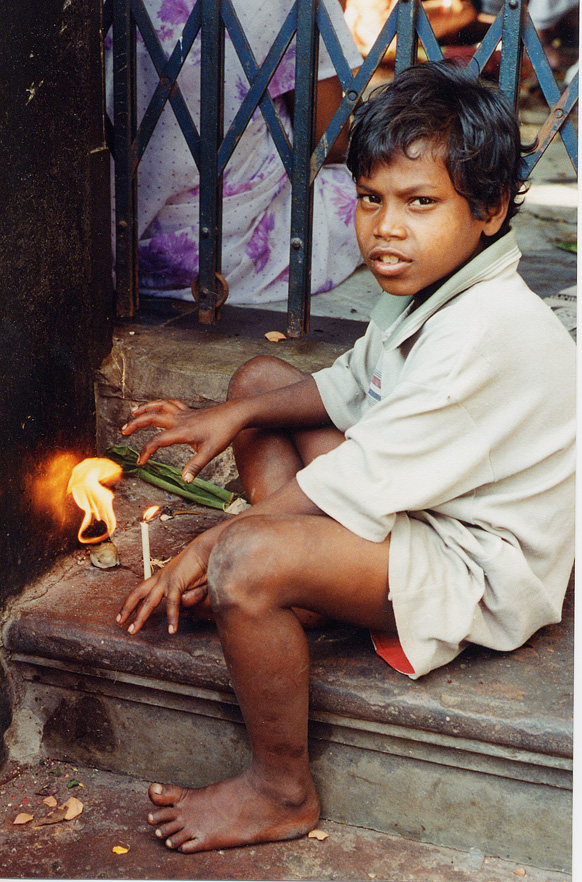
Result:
[{"x": 392, "y": 314}]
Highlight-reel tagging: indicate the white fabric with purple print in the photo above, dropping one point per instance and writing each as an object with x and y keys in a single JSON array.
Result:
[{"x": 257, "y": 192}]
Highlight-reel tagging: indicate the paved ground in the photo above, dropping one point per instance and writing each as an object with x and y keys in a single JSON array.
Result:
[{"x": 113, "y": 816}]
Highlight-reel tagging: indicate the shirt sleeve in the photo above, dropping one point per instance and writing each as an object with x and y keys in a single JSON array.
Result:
[{"x": 343, "y": 386}]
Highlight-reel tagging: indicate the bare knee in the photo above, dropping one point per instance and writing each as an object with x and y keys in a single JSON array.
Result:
[
  {"x": 237, "y": 567},
  {"x": 263, "y": 373}
]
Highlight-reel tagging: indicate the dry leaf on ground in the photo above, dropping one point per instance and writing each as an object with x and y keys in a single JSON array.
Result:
[
  {"x": 52, "y": 818},
  {"x": 119, "y": 849},
  {"x": 50, "y": 801},
  {"x": 22, "y": 818},
  {"x": 74, "y": 808},
  {"x": 318, "y": 834},
  {"x": 275, "y": 336},
  {"x": 66, "y": 812}
]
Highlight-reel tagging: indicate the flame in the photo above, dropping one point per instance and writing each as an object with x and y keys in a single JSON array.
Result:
[
  {"x": 95, "y": 500},
  {"x": 150, "y": 512},
  {"x": 48, "y": 488}
]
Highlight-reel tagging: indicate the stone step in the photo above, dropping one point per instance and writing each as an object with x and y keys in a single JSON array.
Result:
[
  {"x": 167, "y": 354},
  {"x": 475, "y": 755}
]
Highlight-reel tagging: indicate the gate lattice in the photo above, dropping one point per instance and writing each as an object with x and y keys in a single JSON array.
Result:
[{"x": 211, "y": 148}]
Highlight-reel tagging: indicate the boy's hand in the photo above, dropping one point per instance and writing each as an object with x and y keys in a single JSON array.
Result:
[
  {"x": 208, "y": 431},
  {"x": 182, "y": 580}
]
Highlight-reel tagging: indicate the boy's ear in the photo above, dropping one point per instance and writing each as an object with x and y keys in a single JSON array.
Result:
[{"x": 495, "y": 216}]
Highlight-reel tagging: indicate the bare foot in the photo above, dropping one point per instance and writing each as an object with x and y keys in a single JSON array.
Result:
[{"x": 233, "y": 812}]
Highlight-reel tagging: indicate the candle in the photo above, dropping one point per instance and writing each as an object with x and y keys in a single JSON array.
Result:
[
  {"x": 145, "y": 540},
  {"x": 145, "y": 548}
]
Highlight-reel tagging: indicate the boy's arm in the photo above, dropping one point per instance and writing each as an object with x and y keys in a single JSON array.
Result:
[{"x": 210, "y": 430}]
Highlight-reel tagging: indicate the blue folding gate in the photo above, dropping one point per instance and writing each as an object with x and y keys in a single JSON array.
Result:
[{"x": 212, "y": 148}]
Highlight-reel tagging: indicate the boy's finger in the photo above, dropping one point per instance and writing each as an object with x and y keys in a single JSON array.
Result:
[
  {"x": 194, "y": 596},
  {"x": 173, "y": 609},
  {"x": 156, "y": 418},
  {"x": 165, "y": 404},
  {"x": 150, "y": 603},
  {"x": 131, "y": 601},
  {"x": 162, "y": 439},
  {"x": 201, "y": 458},
  {"x": 191, "y": 469}
]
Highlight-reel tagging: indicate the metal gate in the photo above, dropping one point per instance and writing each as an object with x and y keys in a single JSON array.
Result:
[{"x": 211, "y": 147}]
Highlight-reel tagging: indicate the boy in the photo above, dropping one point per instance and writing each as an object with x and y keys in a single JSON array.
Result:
[{"x": 421, "y": 487}]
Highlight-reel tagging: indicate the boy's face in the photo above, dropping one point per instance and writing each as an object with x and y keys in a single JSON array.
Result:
[{"x": 413, "y": 228}]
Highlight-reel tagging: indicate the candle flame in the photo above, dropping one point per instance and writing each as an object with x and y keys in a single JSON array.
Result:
[
  {"x": 150, "y": 512},
  {"x": 95, "y": 500}
]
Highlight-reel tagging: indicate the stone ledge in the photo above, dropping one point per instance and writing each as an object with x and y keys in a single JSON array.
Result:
[{"x": 519, "y": 701}]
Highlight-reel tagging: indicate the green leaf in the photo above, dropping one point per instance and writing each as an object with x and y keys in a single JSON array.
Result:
[
  {"x": 168, "y": 477},
  {"x": 568, "y": 246}
]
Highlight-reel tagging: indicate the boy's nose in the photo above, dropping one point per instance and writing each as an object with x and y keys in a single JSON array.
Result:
[{"x": 390, "y": 224}]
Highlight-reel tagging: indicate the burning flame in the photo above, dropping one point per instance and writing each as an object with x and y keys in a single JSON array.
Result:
[
  {"x": 95, "y": 500},
  {"x": 48, "y": 488},
  {"x": 150, "y": 512}
]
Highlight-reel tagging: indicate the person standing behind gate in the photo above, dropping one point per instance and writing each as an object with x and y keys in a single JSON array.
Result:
[{"x": 256, "y": 189}]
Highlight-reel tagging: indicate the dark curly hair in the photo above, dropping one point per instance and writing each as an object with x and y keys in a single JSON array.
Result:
[{"x": 443, "y": 104}]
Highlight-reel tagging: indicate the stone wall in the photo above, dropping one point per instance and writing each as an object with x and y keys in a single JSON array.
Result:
[{"x": 56, "y": 300}]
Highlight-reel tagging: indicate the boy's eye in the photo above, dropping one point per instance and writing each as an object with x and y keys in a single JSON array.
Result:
[
  {"x": 422, "y": 200},
  {"x": 368, "y": 199}
]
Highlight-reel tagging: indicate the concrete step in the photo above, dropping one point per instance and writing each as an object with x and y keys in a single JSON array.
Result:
[
  {"x": 475, "y": 755},
  {"x": 167, "y": 354}
]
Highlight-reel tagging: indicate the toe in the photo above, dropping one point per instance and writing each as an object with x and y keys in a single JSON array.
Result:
[
  {"x": 164, "y": 795},
  {"x": 165, "y": 830},
  {"x": 162, "y": 816},
  {"x": 180, "y": 839},
  {"x": 190, "y": 846}
]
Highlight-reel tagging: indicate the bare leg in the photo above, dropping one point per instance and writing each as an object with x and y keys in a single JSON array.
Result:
[
  {"x": 256, "y": 582},
  {"x": 255, "y": 579},
  {"x": 266, "y": 460}
]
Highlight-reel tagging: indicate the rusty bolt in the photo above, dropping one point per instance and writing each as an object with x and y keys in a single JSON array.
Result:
[
  {"x": 352, "y": 95},
  {"x": 296, "y": 244},
  {"x": 205, "y": 232}
]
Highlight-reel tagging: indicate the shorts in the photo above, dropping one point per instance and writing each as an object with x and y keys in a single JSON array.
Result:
[{"x": 435, "y": 589}]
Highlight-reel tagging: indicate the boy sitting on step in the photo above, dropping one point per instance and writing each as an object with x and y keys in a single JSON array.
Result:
[{"x": 422, "y": 486}]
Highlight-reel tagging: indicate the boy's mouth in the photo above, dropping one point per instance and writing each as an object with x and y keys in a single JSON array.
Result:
[{"x": 388, "y": 262}]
